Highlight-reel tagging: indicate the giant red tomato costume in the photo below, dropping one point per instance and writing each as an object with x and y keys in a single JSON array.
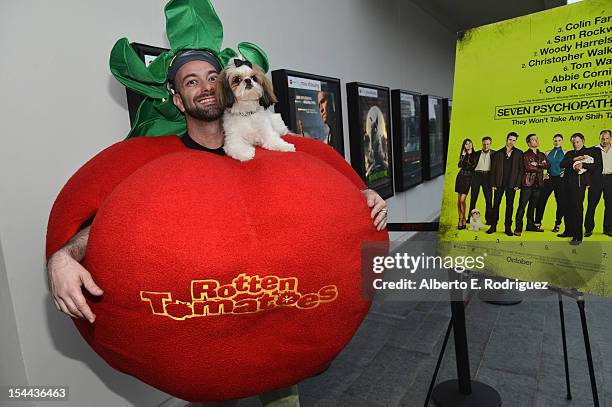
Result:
[{"x": 221, "y": 279}]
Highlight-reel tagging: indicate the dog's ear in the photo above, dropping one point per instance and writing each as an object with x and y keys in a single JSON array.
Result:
[
  {"x": 268, "y": 98},
  {"x": 223, "y": 91}
]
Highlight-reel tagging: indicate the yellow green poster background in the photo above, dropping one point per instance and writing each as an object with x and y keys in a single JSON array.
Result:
[{"x": 545, "y": 73}]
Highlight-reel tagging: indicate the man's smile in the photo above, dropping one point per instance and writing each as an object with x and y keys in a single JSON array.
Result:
[{"x": 206, "y": 101}]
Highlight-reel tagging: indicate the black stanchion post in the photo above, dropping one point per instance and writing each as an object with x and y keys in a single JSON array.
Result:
[
  {"x": 462, "y": 354},
  {"x": 463, "y": 391}
]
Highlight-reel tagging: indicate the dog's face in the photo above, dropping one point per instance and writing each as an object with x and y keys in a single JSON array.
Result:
[
  {"x": 475, "y": 214},
  {"x": 244, "y": 83}
]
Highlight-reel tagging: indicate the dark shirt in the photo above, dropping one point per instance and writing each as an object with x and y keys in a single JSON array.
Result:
[
  {"x": 571, "y": 176},
  {"x": 507, "y": 169},
  {"x": 506, "y": 172},
  {"x": 191, "y": 143},
  {"x": 468, "y": 162}
]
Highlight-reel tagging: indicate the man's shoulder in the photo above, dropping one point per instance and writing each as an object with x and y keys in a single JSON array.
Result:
[
  {"x": 595, "y": 148},
  {"x": 169, "y": 139}
]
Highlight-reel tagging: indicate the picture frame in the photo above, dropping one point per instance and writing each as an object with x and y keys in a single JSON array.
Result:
[
  {"x": 432, "y": 136},
  {"x": 447, "y": 114},
  {"x": 310, "y": 105},
  {"x": 406, "y": 115},
  {"x": 369, "y": 113},
  {"x": 147, "y": 53}
]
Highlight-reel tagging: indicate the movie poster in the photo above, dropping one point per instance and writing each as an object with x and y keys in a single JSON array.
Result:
[
  {"x": 447, "y": 118},
  {"x": 370, "y": 125},
  {"x": 407, "y": 139},
  {"x": 529, "y": 151},
  {"x": 311, "y": 106},
  {"x": 434, "y": 136}
]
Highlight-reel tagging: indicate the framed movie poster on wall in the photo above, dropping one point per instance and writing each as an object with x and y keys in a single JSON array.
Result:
[
  {"x": 406, "y": 108},
  {"x": 147, "y": 53},
  {"x": 310, "y": 105},
  {"x": 370, "y": 131},
  {"x": 448, "y": 103},
  {"x": 432, "y": 136}
]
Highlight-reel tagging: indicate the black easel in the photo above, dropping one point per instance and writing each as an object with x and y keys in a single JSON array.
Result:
[{"x": 463, "y": 391}]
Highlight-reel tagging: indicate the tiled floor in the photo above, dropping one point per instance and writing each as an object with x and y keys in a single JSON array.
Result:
[{"x": 516, "y": 349}]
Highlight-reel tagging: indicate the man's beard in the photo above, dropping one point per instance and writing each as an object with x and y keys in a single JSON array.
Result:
[{"x": 208, "y": 114}]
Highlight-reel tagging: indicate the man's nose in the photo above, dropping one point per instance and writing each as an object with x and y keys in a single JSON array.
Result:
[{"x": 207, "y": 86}]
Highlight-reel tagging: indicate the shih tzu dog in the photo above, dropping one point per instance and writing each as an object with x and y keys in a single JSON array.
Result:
[
  {"x": 475, "y": 222},
  {"x": 245, "y": 94},
  {"x": 586, "y": 160}
]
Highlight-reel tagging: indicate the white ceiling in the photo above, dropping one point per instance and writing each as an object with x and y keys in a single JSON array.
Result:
[{"x": 459, "y": 15}]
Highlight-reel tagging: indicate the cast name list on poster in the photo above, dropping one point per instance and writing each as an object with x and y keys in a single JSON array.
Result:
[{"x": 574, "y": 42}]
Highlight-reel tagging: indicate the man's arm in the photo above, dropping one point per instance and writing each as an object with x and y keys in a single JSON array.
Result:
[{"x": 66, "y": 276}]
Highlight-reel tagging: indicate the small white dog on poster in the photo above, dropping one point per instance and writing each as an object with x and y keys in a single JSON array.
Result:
[
  {"x": 475, "y": 221},
  {"x": 245, "y": 94},
  {"x": 586, "y": 160}
]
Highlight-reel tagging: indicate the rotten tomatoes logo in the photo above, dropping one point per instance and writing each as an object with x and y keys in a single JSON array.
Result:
[{"x": 244, "y": 295}]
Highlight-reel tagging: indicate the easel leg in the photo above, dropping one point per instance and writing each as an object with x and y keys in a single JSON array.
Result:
[
  {"x": 587, "y": 346},
  {"x": 437, "y": 369},
  {"x": 567, "y": 376}
]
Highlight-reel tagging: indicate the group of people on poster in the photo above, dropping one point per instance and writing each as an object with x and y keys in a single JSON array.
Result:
[{"x": 536, "y": 175}]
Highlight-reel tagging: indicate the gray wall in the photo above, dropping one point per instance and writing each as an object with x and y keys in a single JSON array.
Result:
[{"x": 61, "y": 106}]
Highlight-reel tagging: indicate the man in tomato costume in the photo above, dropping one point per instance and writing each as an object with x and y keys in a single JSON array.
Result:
[{"x": 209, "y": 278}]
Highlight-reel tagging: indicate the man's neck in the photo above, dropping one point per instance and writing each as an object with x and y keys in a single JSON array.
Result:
[
  {"x": 207, "y": 134},
  {"x": 509, "y": 149},
  {"x": 605, "y": 148},
  {"x": 534, "y": 149}
]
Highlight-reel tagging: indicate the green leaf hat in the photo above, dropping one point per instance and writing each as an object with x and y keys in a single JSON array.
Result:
[{"x": 190, "y": 24}]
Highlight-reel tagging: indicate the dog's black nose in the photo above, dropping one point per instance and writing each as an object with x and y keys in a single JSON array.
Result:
[{"x": 248, "y": 82}]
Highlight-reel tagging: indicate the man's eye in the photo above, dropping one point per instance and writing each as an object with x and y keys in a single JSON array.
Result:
[
  {"x": 192, "y": 82},
  {"x": 236, "y": 80},
  {"x": 213, "y": 79}
]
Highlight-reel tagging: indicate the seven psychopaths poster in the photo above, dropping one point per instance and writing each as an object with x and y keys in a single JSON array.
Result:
[{"x": 546, "y": 73}]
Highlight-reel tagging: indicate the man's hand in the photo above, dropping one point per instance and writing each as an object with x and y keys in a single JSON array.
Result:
[
  {"x": 66, "y": 276},
  {"x": 379, "y": 208}
]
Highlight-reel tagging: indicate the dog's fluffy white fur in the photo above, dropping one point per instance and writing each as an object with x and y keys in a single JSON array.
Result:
[
  {"x": 587, "y": 160},
  {"x": 246, "y": 94},
  {"x": 475, "y": 222}
]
